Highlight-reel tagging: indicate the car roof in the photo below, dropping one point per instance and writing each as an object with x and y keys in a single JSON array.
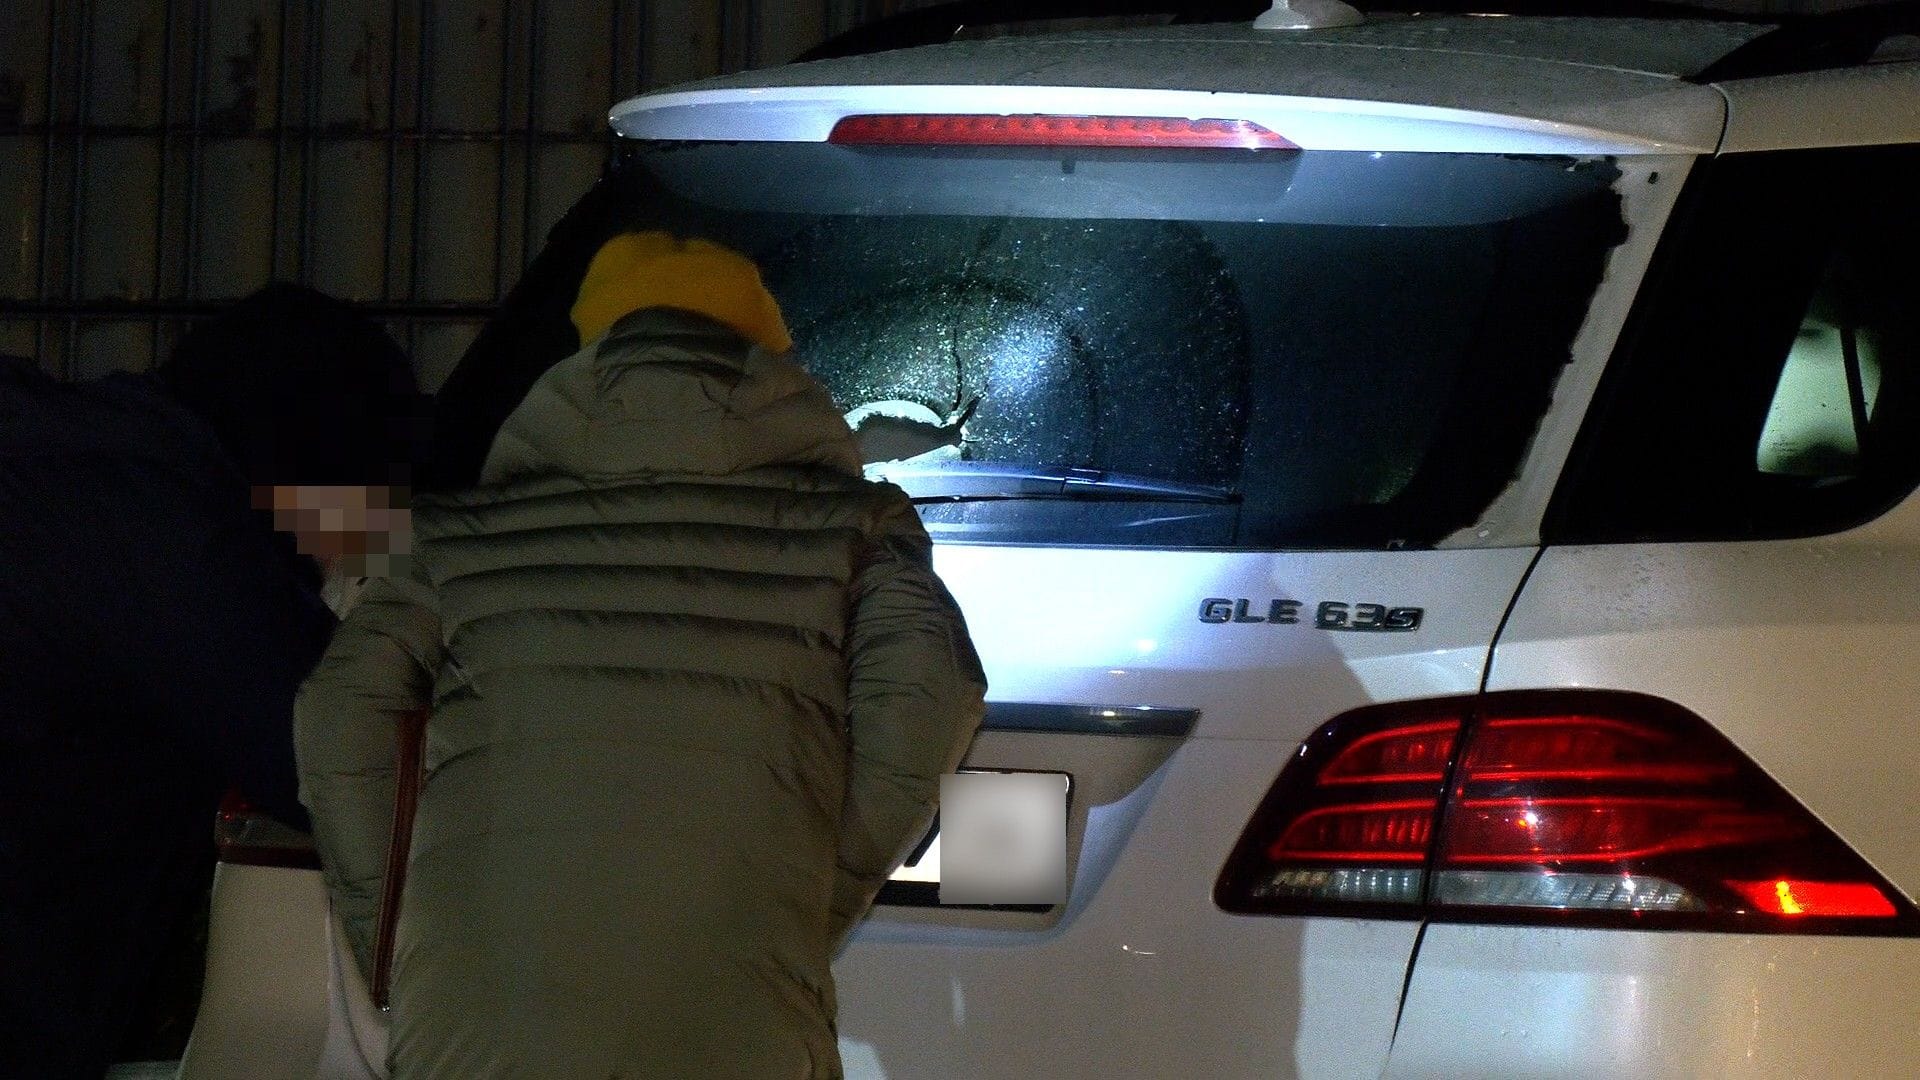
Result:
[
  {"x": 1626, "y": 77},
  {"x": 1670, "y": 47}
]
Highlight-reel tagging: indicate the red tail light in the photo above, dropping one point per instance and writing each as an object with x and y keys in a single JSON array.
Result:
[
  {"x": 248, "y": 837},
  {"x": 1368, "y": 832},
  {"x": 1417, "y": 752},
  {"x": 1566, "y": 807},
  {"x": 923, "y": 129},
  {"x": 1846, "y": 899},
  {"x": 1576, "y": 747},
  {"x": 1601, "y": 829}
]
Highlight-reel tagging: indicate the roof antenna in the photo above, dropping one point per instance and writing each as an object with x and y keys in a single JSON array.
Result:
[{"x": 1307, "y": 15}]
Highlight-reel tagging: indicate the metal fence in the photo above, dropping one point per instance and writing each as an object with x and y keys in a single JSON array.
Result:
[{"x": 158, "y": 157}]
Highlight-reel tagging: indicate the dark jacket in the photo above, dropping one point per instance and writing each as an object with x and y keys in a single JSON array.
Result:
[
  {"x": 152, "y": 633},
  {"x": 694, "y": 684}
]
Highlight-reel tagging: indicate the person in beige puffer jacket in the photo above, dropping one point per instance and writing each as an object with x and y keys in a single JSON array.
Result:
[{"x": 693, "y": 683}]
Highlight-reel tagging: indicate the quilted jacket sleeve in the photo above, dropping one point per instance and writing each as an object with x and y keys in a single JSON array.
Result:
[
  {"x": 916, "y": 697},
  {"x": 380, "y": 664}
]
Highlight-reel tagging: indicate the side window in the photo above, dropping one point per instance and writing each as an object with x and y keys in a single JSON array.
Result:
[
  {"x": 1821, "y": 417},
  {"x": 1768, "y": 384}
]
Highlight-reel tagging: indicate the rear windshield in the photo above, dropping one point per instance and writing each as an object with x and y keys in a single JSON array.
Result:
[{"x": 1187, "y": 348}]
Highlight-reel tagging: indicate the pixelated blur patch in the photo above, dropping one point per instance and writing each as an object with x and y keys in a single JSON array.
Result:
[
  {"x": 365, "y": 526},
  {"x": 1003, "y": 838}
]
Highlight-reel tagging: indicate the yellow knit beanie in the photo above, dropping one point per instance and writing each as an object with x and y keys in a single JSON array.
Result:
[{"x": 653, "y": 269}]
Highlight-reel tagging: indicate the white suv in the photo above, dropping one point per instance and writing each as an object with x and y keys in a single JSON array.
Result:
[{"x": 1441, "y": 488}]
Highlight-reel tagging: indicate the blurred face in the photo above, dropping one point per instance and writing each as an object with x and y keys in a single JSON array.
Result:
[{"x": 355, "y": 529}]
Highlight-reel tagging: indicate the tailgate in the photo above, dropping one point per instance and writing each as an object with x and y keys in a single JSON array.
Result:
[{"x": 1139, "y": 966}]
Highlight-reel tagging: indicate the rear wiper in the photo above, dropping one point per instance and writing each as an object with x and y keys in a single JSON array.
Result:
[{"x": 974, "y": 481}]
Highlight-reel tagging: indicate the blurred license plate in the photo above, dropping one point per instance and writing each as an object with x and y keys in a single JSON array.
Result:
[{"x": 922, "y": 868}]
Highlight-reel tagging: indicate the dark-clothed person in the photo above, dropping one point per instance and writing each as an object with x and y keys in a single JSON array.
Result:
[
  {"x": 153, "y": 630},
  {"x": 693, "y": 684}
]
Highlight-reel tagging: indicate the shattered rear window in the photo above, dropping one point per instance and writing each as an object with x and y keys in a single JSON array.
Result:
[{"x": 1255, "y": 349}]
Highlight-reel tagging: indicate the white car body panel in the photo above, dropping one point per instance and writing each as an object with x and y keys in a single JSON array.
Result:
[
  {"x": 1051, "y": 627},
  {"x": 1726, "y": 631},
  {"x": 1151, "y": 979},
  {"x": 283, "y": 998},
  {"x": 1800, "y": 651},
  {"x": 264, "y": 1006},
  {"x": 927, "y": 992},
  {"x": 1803, "y": 653},
  {"x": 807, "y": 114},
  {"x": 1824, "y": 109},
  {"x": 1461, "y": 83},
  {"x": 1505, "y": 1001}
]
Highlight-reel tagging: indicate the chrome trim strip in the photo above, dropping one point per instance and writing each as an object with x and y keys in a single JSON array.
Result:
[{"x": 1090, "y": 719}]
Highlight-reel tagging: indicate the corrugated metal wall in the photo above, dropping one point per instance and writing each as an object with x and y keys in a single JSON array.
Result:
[{"x": 158, "y": 156}]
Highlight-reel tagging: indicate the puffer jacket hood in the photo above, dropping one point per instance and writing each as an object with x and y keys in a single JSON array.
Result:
[{"x": 700, "y": 401}]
